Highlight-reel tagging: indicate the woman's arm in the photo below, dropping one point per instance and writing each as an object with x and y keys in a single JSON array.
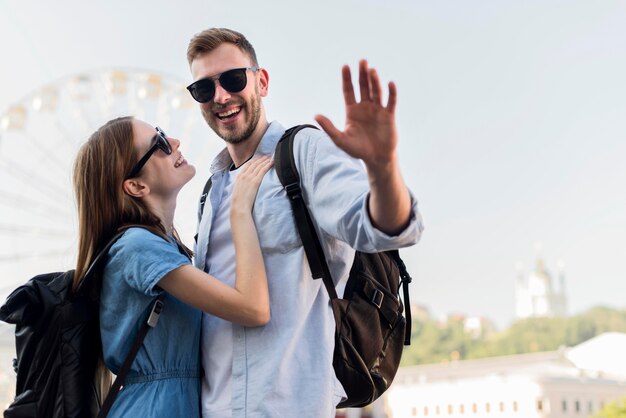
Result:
[{"x": 248, "y": 302}]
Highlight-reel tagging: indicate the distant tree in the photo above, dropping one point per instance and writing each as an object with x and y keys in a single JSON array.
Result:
[
  {"x": 613, "y": 410},
  {"x": 594, "y": 322},
  {"x": 434, "y": 341}
]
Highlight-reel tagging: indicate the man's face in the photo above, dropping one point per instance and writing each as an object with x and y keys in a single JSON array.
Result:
[{"x": 233, "y": 116}]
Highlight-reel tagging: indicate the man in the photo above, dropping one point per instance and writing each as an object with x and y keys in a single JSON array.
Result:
[{"x": 284, "y": 369}]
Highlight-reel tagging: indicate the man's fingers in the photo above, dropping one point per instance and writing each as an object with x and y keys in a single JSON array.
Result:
[
  {"x": 364, "y": 81},
  {"x": 348, "y": 89},
  {"x": 393, "y": 98},
  {"x": 328, "y": 127},
  {"x": 375, "y": 85}
]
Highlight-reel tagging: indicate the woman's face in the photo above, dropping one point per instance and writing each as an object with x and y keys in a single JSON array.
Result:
[{"x": 164, "y": 173}]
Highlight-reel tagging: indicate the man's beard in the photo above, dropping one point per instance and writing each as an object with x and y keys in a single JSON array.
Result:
[{"x": 236, "y": 136}]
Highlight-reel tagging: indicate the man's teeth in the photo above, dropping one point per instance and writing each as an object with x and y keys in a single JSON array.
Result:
[
  {"x": 228, "y": 113},
  {"x": 179, "y": 161}
]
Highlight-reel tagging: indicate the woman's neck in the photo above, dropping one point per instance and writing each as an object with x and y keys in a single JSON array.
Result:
[{"x": 165, "y": 212}]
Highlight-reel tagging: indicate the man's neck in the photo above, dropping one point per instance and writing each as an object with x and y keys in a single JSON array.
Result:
[{"x": 244, "y": 150}]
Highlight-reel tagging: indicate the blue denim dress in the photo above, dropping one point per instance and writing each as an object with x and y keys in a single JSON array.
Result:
[{"x": 164, "y": 379}]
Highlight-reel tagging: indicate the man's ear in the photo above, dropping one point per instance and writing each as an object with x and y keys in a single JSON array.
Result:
[
  {"x": 135, "y": 188},
  {"x": 264, "y": 82}
]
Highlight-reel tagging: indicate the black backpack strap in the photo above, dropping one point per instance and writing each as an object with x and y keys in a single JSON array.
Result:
[
  {"x": 405, "y": 279},
  {"x": 153, "y": 318},
  {"x": 95, "y": 264},
  {"x": 287, "y": 173},
  {"x": 285, "y": 166},
  {"x": 204, "y": 196},
  {"x": 151, "y": 322}
]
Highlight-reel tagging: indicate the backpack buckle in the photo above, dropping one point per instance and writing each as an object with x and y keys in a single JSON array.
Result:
[
  {"x": 377, "y": 298},
  {"x": 293, "y": 190},
  {"x": 203, "y": 199},
  {"x": 155, "y": 313}
]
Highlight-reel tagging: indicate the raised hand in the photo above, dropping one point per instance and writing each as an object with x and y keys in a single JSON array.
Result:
[
  {"x": 248, "y": 182},
  {"x": 370, "y": 132}
]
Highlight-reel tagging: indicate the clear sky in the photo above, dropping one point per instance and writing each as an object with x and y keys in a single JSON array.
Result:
[{"x": 511, "y": 114}]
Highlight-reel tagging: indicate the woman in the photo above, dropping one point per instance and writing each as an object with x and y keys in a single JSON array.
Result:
[{"x": 130, "y": 173}]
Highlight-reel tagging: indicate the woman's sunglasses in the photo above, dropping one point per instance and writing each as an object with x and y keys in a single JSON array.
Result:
[
  {"x": 161, "y": 143},
  {"x": 233, "y": 81}
]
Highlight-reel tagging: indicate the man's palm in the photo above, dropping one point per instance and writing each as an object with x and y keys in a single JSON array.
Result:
[{"x": 370, "y": 132}]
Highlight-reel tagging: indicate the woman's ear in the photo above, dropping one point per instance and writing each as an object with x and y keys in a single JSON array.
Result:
[{"x": 135, "y": 188}]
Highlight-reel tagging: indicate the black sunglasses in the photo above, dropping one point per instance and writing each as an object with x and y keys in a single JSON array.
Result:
[
  {"x": 161, "y": 143},
  {"x": 233, "y": 81}
]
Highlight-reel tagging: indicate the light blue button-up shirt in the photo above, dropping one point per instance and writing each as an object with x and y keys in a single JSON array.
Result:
[{"x": 284, "y": 368}]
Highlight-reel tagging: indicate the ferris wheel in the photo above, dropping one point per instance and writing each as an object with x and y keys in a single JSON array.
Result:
[{"x": 39, "y": 138}]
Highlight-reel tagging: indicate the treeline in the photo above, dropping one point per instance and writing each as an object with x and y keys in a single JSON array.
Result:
[
  {"x": 434, "y": 341},
  {"x": 615, "y": 409}
]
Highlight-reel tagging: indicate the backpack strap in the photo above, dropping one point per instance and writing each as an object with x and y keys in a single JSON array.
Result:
[
  {"x": 405, "y": 279},
  {"x": 285, "y": 166},
  {"x": 204, "y": 196},
  {"x": 151, "y": 322},
  {"x": 288, "y": 175},
  {"x": 153, "y": 318},
  {"x": 95, "y": 264}
]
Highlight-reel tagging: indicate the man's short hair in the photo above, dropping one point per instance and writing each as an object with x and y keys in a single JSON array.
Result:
[{"x": 207, "y": 40}]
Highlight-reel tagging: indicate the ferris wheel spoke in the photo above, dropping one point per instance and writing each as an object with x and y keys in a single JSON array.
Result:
[
  {"x": 48, "y": 156},
  {"x": 23, "y": 230},
  {"x": 27, "y": 204},
  {"x": 33, "y": 178},
  {"x": 29, "y": 255},
  {"x": 65, "y": 135}
]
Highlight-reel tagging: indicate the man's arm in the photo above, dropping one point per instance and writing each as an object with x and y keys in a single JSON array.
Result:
[
  {"x": 389, "y": 202},
  {"x": 371, "y": 135}
]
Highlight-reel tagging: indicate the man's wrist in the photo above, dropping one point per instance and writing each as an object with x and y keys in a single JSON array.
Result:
[{"x": 382, "y": 170}]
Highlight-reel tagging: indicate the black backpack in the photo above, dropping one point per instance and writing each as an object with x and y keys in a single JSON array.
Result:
[
  {"x": 370, "y": 327},
  {"x": 370, "y": 330},
  {"x": 57, "y": 341}
]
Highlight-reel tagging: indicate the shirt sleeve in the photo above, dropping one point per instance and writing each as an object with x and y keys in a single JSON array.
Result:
[
  {"x": 142, "y": 259},
  {"x": 336, "y": 189}
]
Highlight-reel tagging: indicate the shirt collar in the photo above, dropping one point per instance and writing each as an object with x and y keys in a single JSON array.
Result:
[{"x": 270, "y": 138}]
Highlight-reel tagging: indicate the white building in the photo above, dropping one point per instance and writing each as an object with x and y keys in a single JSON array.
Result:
[
  {"x": 571, "y": 382},
  {"x": 539, "y": 294}
]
